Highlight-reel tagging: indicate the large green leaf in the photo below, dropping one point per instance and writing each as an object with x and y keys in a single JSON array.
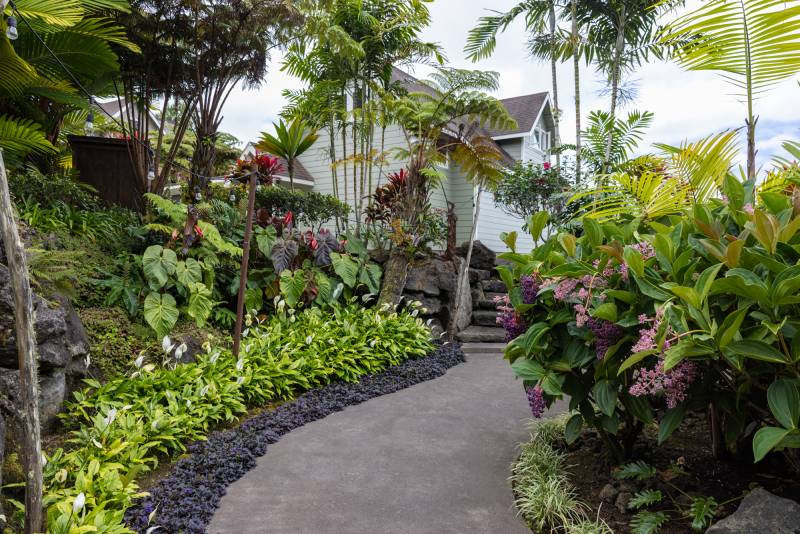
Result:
[
  {"x": 160, "y": 312},
  {"x": 158, "y": 263},
  {"x": 756, "y": 350},
  {"x": 200, "y": 303},
  {"x": 20, "y": 137},
  {"x": 370, "y": 276},
  {"x": 293, "y": 285},
  {"x": 767, "y": 439},
  {"x": 605, "y": 396},
  {"x": 346, "y": 268},
  {"x": 189, "y": 271},
  {"x": 784, "y": 402}
]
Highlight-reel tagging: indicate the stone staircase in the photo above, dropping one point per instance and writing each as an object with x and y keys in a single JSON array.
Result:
[{"x": 485, "y": 286}]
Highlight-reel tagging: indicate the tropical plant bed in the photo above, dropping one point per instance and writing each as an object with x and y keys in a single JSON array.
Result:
[
  {"x": 186, "y": 498},
  {"x": 685, "y": 469}
]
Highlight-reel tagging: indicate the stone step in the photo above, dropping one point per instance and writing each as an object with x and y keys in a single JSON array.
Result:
[
  {"x": 483, "y": 348},
  {"x": 482, "y": 334},
  {"x": 493, "y": 286},
  {"x": 484, "y": 318},
  {"x": 484, "y": 305}
]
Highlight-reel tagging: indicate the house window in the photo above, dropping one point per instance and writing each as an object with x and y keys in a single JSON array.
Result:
[{"x": 543, "y": 139}]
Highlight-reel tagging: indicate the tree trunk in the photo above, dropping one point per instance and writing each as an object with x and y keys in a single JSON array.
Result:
[
  {"x": 615, "y": 75},
  {"x": 464, "y": 274},
  {"x": 395, "y": 273},
  {"x": 576, "y": 65},
  {"x": 205, "y": 153},
  {"x": 26, "y": 352},
  {"x": 248, "y": 232},
  {"x": 554, "y": 74},
  {"x": 751, "y": 147}
]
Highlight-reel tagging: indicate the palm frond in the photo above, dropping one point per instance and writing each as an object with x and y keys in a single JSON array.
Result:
[
  {"x": 52, "y": 13},
  {"x": 20, "y": 137},
  {"x": 482, "y": 39},
  {"x": 703, "y": 164},
  {"x": 649, "y": 195},
  {"x": 754, "y": 43}
]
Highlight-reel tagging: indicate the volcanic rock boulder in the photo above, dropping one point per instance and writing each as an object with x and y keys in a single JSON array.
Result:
[{"x": 62, "y": 348}]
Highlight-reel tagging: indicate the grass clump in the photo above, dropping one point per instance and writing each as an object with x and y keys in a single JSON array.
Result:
[{"x": 544, "y": 496}]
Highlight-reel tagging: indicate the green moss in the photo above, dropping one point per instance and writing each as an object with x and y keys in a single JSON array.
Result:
[{"x": 115, "y": 340}]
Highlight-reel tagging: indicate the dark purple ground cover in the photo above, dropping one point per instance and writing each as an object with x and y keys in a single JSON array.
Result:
[{"x": 187, "y": 497}]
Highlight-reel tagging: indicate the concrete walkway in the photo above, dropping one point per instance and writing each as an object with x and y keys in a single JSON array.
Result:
[{"x": 430, "y": 459}]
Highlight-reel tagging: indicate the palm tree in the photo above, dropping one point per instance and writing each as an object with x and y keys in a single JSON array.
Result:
[
  {"x": 439, "y": 122},
  {"x": 620, "y": 35},
  {"x": 753, "y": 43},
  {"x": 289, "y": 142},
  {"x": 541, "y": 21},
  {"x": 36, "y": 93}
]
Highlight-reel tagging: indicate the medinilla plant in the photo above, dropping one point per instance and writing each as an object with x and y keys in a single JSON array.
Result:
[{"x": 692, "y": 312}]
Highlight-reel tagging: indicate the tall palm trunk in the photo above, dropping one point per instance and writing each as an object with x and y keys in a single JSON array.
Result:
[
  {"x": 554, "y": 75},
  {"x": 616, "y": 69},
  {"x": 576, "y": 62}
]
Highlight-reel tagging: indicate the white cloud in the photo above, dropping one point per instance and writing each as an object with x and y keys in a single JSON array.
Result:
[{"x": 687, "y": 105}]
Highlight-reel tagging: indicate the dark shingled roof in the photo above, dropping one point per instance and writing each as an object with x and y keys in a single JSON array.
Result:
[
  {"x": 525, "y": 109},
  {"x": 300, "y": 172}
]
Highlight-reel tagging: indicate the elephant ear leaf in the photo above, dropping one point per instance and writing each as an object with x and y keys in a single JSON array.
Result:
[
  {"x": 158, "y": 263},
  {"x": 346, "y": 268},
  {"x": 200, "y": 303},
  {"x": 326, "y": 244},
  {"x": 293, "y": 285},
  {"x": 284, "y": 251},
  {"x": 160, "y": 312},
  {"x": 265, "y": 239},
  {"x": 371, "y": 277}
]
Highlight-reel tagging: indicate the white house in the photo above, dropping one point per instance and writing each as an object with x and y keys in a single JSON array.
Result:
[{"x": 528, "y": 142}]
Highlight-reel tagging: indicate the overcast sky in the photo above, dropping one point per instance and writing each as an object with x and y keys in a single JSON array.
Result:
[{"x": 687, "y": 105}]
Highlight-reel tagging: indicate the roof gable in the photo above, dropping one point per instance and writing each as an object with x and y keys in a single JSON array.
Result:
[{"x": 525, "y": 110}]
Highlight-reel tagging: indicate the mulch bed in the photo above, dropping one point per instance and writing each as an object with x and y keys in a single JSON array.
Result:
[
  {"x": 689, "y": 448},
  {"x": 185, "y": 499}
]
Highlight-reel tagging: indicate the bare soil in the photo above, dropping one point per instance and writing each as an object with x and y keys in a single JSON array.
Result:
[{"x": 686, "y": 468}]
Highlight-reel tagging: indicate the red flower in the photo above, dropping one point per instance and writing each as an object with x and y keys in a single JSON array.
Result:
[
  {"x": 198, "y": 231},
  {"x": 546, "y": 166},
  {"x": 287, "y": 220}
]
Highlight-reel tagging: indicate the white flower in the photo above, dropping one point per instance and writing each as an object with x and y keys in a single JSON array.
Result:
[
  {"x": 204, "y": 391},
  {"x": 139, "y": 361},
  {"x": 240, "y": 380},
  {"x": 88, "y": 359},
  {"x": 214, "y": 357},
  {"x": 97, "y": 443},
  {"x": 248, "y": 347},
  {"x": 166, "y": 344},
  {"x": 180, "y": 350},
  {"x": 80, "y": 502},
  {"x": 309, "y": 339},
  {"x": 112, "y": 414},
  {"x": 373, "y": 342},
  {"x": 429, "y": 322},
  {"x": 240, "y": 364},
  {"x": 415, "y": 313},
  {"x": 188, "y": 403}
]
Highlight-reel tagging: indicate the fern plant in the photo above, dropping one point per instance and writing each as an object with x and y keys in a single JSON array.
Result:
[{"x": 648, "y": 522}]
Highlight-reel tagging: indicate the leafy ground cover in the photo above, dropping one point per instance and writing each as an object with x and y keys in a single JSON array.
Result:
[
  {"x": 125, "y": 427},
  {"x": 186, "y": 499}
]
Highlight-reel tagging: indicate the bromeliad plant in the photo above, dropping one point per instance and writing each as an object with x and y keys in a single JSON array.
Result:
[{"x": 637, "y": 321}]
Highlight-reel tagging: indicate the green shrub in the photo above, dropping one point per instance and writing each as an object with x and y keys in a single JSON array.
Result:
[
  {"x": 48, "y": 189},
  {"x": 123, "y": 425},
  {"x": 114, "y": 339},
  {"x": 679, "y": 314}
]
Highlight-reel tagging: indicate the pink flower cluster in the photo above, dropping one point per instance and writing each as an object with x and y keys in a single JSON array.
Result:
[
  {"x": 513, "y": 323},
  {"x": 673, "y": 384},
  {"x": 536, "y": 400},
  {"x": 530, "y": 285},
  {"x": 647, "y": 336},
  {"x": 606, "y": 334},
  {"x": 645, "y": 249}
]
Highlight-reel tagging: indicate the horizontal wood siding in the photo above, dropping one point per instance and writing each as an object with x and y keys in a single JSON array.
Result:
[{"x": 492, "y": 221}]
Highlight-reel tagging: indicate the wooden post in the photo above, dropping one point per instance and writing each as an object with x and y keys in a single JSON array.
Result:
[
  {"x": 26, "y": 351},
  {"x": 248, "y": 232}
]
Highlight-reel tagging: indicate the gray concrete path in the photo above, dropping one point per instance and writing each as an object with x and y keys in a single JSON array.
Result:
[{"x": 430, "y": 459}]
